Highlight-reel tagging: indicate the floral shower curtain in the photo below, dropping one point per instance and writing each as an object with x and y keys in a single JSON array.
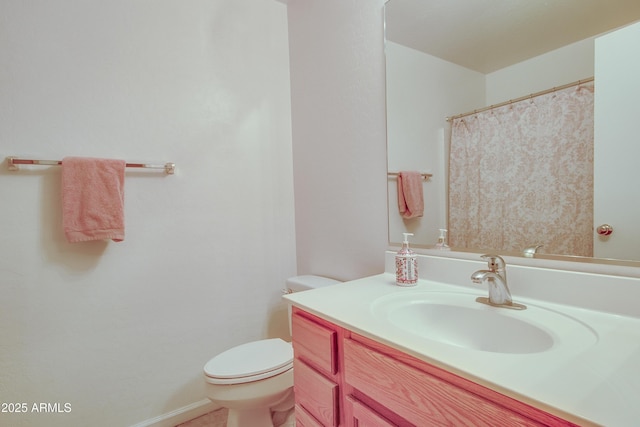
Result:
[{"x": 522, "y": 175}]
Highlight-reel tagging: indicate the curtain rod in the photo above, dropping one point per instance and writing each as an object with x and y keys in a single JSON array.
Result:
[{"x": 522, "y": 98}]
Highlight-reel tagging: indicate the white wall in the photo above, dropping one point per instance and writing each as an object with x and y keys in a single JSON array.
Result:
[
  {"x": 121, "y": 331},
  {"x": 337, "y": 89},
  {"x": 422, "y": 91},
  {"x": 556, "y": 68}
]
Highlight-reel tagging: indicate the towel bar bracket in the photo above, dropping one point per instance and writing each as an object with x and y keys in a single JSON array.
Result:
[{"x": 11, "y": 165}]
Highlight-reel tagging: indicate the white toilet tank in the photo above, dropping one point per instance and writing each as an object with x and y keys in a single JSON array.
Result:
[{"x": 305, "y": 283}]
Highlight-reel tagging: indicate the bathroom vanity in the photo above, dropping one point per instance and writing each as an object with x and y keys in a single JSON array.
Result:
[
  {"x": 382, "y": 386},
  {"x": 369, "y": 353}
]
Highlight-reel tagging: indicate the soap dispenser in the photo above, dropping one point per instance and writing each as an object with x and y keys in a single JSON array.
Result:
[
  {"x": 406, "y": 264},
  {"x": 442, "y": 240}
]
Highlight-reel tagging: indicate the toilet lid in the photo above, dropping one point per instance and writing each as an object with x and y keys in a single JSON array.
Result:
[{"x": 250, "y": 362}]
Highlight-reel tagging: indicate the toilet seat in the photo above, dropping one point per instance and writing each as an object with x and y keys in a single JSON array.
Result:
[{"x": 248, "y": 362}]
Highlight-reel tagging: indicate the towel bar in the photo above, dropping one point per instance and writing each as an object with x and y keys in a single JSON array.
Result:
[
  {"x": 13, "y": 162},
  {"x": 424, "y": 175}
]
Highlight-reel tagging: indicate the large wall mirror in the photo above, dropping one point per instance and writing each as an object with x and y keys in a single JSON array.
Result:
[{"x": 459, "y": 56}]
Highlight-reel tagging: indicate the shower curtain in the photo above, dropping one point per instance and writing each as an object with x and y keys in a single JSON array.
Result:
[{"x": 522, "y": 175}]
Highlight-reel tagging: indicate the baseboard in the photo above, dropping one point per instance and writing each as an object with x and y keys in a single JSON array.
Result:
[{"x": 180, "y": 415}]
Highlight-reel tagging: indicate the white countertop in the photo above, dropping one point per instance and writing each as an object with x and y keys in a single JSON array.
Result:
[{"x": 595, "y": 384}]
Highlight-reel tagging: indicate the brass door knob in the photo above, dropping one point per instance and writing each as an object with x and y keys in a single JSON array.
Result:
[{"x": 604, "y": 229}]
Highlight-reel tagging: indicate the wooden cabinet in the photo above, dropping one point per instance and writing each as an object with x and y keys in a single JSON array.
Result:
[
  {"x": 343, "y": 379},
  {"x": 315, "y": 371}
]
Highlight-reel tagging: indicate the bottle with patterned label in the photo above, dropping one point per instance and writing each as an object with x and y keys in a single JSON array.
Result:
[{"x": 406, "y": 264}]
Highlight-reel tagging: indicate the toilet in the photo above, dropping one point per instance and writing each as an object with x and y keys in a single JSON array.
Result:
[{"x": 253, "y": 379}]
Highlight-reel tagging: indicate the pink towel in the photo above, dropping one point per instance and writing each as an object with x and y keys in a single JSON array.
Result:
[
  {"x": 93, "y": 199},
  {"x": 410, "y": 200}
]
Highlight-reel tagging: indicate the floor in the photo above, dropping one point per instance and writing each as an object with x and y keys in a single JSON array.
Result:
[{"x": 219, "y": 419}]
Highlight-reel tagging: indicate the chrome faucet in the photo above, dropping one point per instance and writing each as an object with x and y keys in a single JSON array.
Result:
[
  {"x": 531, "y": 251},
  {"x": 496, "y": 275}
]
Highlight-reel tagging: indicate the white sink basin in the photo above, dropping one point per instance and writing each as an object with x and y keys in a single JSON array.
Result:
[{"x": 457, "y": 319}]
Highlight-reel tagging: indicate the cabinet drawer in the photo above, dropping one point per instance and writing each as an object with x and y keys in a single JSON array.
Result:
[
  {"x": 419, "y": 397},
  {"x": 315, "y": 344},
  {"x": 315, "y": 393}
]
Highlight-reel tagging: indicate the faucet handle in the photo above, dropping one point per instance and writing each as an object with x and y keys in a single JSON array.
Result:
[
  {"x": 495, "y": 262},
  {"x": 531, "y": 251}
]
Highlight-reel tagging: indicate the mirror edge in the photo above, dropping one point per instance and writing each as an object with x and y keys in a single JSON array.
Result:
[{"x": 612, "y": 267}]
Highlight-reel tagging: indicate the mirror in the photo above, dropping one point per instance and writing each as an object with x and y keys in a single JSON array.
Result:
[{"x": 448, "y": 58}]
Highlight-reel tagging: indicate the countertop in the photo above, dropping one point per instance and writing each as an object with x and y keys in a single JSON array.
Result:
[{"x": 593, "y": 384}]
